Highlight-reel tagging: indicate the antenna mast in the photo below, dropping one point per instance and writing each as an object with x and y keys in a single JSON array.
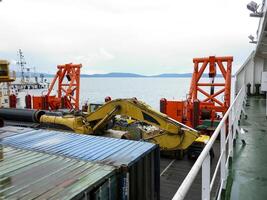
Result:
[{"x": 21, "y": 62}]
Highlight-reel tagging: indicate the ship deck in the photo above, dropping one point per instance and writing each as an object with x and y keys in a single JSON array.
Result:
[
  {"x": 248, "y": 175},
  {"x": 173, "y": 172}
]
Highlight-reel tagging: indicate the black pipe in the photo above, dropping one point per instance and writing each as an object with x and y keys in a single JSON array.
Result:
[
  {"x": 54, "y": 113},
  {"x": 24, "y": 115},
  {"x": 38, "y": 114},
  {"x": 195, "y": 117}
]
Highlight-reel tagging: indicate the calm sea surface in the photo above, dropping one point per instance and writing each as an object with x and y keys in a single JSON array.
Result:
[{"x": 149, "y": 90}]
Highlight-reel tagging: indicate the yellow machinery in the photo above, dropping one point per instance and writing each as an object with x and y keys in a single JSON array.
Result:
[
  {"x": 5, "y": 75},
  {"x": 173, "y": 135}
]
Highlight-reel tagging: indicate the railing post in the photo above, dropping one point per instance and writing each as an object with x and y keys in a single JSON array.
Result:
[
  {"x": 230, "y": 133},
  {"x": 206, "y": 178},
  {"x": 231, "y": 116},
  {"x": 237, "y": 127},
  {"x": 235, "y": 119},
  {"x": 223, "y": 168}
]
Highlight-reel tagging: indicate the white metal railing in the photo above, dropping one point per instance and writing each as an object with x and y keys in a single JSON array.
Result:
[{"x": 230, "y": 119}]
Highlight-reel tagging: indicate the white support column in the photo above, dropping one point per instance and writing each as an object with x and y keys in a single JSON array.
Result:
[
  {"x": 206, "y": 178},
  {"x": 236, "y": 113},
  {"x": 243, "y": 110},
  {"x": 223, "y": 160},
  {"x": 258, "y": 69},
  {"x": 237, "y": 128},
  {"x": 230, "y": 133}
]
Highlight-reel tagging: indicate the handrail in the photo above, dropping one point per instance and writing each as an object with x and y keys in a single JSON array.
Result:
[{"x": 234, "y": 109}]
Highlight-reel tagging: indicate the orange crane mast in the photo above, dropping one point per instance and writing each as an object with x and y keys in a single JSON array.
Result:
[
  {"x": 206, "y": 100},
  {"x": 68, "y": 89}
]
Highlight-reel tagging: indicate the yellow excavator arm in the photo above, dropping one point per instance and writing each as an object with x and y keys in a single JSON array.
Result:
[{"x": 173, "y": 136}]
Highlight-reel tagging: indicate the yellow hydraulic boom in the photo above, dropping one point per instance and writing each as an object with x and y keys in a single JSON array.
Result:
[{"x": 174, "y": 135}]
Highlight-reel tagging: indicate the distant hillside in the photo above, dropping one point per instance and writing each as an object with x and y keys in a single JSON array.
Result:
[
  {"x": 132, "y": 75},
  {"x": 113, "y": 74},
  {"x": 122, "y": 75},
  {"x": 173, "y": 75}
]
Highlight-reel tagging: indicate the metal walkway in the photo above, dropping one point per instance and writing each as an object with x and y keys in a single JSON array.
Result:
[
  {"x": 173, "y": 172},
  {"x": 249, "y": 168}
]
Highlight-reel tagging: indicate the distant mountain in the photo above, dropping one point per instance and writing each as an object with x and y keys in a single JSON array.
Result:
[
  {"x": 113, "y": 74},
  {"x": 121, "y": 75},
  {"x": 132, "y": 75},
  {"x": 184, "y": 75},
  {"x": 173, "y": 75}
]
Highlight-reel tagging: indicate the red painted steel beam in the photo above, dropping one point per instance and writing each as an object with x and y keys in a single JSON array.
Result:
[
  {"x": 210, "y": 84},
  {"x": 214, "y": 95}
]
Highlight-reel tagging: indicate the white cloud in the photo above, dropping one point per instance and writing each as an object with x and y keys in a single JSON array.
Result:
[
  {"x": 92, "y": 58},
  {"x": 143, "y": 36}
]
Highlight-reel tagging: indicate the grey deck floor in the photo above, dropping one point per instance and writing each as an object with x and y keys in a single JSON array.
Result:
[
  {"x": 249, "y": 169},
  {"x": 172, "y": 178}
]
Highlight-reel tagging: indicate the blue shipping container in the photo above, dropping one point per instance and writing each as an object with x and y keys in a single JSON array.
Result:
[{"x": 139, "y": 161}]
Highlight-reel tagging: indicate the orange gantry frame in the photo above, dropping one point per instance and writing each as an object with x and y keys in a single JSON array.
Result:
[
  {"x": 68, "y": 89},
  {"x": 68, "y": 78},
  {"x": 206, "y": 99},
  {"x": 224, "y": 66}
]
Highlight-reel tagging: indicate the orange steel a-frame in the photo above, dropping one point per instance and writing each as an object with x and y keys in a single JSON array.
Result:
[
  {"x": 224, "y": 65},
  {"x": 68, "y": 91},
  {"x": 205, "y": 99}
]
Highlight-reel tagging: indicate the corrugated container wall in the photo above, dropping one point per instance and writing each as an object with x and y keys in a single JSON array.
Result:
[
  {"x": 137, "y": 162},
  {"x": 32, "y": 175}
]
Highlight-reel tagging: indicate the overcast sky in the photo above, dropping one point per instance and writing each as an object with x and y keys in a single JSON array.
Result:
[{"x": 139, "y": 36}]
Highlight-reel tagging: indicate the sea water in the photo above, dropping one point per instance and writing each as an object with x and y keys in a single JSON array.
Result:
[{"x": 149, "y": 90}]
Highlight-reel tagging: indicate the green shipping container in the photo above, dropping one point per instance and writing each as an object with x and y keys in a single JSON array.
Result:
[{"x": 32, "y": 175}]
